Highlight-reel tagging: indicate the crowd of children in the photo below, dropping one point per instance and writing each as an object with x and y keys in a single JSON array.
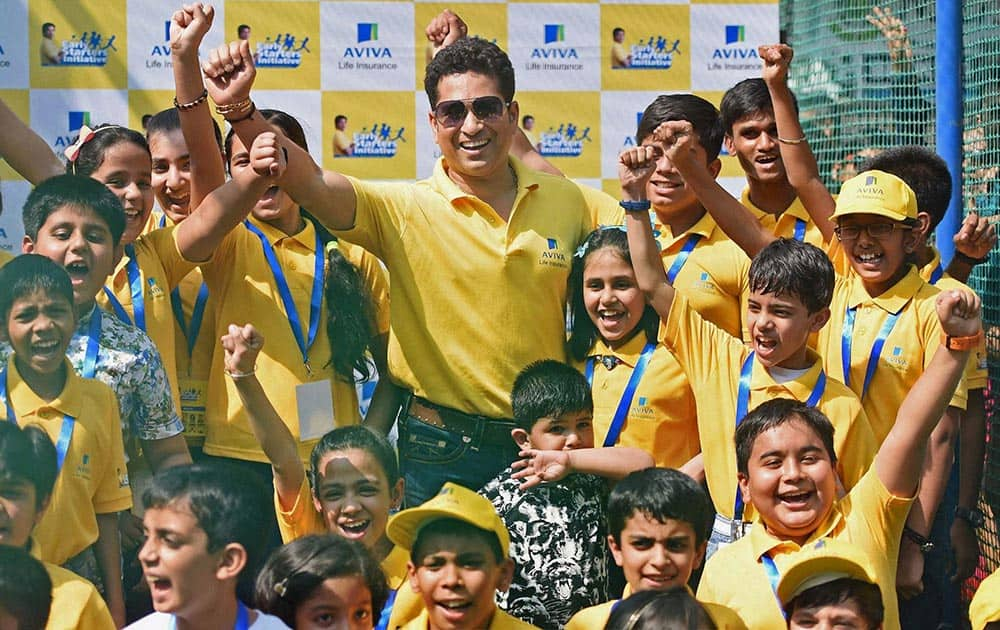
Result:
[{"x": 708, "y": 412}]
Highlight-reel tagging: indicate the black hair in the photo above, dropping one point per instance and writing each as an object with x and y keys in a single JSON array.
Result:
[
  {"x": 470, "y": 54},
  {"x": 864, "y": 595},
  {"x": 350, "y": 308},
  {"x": 241, "y": 27},
  {"x": 294, "y": 571},
  {"x": 583, "y": 332},
  {"x": 226, "y": 503},
  {"x": 924, "y": 171},
  {"x": 661, "y": 494},
  {"x": 78, "y": 191},
  {"x": 747, "y": 98},
  {"x": 28, "y": 455},
  {"x": 357, "y": 437},
  {"x": 91, "y": 154},
  {"x": 617, "y": 30},
  {"x": 338, "y": 118},
  {"x": 702, "y": 115},
  {"x": 548, "y": 389},
  {"x": 46, "y": 25},
  {"x": 672, "y": 609},
  {"x": 29, "y": 273},
  {"x": 170, "y": 120},
  {"x": 526, "y": 118},
  {"x": 775, "y": 413},
  {"x": 454, "y": 528},
  {"x": 25, "y": 588},
  {"x": 796, "y": 269}
]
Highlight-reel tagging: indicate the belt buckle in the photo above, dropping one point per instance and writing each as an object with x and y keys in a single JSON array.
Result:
[{"x": 736, "y": 528}]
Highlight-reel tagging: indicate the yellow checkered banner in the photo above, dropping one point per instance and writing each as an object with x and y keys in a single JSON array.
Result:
[{"x": 585, "y": 71}]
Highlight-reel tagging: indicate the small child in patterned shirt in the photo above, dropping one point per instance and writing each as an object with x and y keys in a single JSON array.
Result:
[{"x": 553, "y": 499}]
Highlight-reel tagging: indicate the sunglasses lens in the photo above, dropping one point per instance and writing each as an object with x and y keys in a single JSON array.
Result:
[
  {"x": 487, "y": 107},
  {"x": 450, "y": 113}
]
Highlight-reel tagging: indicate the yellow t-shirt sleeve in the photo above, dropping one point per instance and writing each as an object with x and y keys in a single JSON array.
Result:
[
  {"x": 113, "y": 493},
  {"x": 378, "y": 219},
  {"x": 302, "y": 519}
]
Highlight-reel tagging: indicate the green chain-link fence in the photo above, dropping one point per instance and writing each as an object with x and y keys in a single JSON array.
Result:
[{"x": 863, "y": 87}]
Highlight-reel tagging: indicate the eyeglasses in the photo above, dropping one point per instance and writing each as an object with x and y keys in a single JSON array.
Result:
[
  {"x": 484, "y": 108},
  {"x": 878, "y": 231}
]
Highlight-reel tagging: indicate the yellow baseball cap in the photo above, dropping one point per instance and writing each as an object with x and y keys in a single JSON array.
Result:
[
  {"x": 985, "y": 605},
  {"x": 453, "y": 501},
  {"x": 824, "y": 561},
  {"x": 877, "y": 192}
]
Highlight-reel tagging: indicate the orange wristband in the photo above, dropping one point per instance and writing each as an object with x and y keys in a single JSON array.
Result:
[{"x": 962, "y": 344}]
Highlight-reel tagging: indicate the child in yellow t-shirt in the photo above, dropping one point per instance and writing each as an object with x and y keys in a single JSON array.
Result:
[
  {"x": 352, "y": 483},
  {"x": 658, "y": 524},
  {"x": 38, "y": 386}
]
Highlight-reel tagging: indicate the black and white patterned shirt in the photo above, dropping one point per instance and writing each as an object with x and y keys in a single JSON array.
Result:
[{"x": 558, "y": 541}]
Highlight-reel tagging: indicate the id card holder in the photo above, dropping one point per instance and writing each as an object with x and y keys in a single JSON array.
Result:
[
  {"x": 194, "y": 396},
  {"x": 315, "y": 406}
]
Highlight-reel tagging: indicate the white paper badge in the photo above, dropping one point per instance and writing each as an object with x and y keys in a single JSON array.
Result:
[{"x": 315, "y": 405}]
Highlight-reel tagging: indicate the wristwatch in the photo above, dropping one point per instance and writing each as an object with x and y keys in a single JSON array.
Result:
[
  {"x": 925, "y": 545},
  {"x": 970, "y": 342},
  {"x": 972, "y": 516}
]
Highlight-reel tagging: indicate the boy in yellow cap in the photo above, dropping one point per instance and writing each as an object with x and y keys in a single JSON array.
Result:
[
  {"x": 459, "y": 558},
  {"x": 984, "y": 610},
  {"x": 831, "y": 583}
]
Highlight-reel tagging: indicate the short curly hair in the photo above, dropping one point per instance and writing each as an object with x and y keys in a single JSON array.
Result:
[{"x": 470, "y": 54}]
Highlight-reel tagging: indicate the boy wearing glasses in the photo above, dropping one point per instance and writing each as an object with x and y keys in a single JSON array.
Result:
[{"x": 479, "y": 255}]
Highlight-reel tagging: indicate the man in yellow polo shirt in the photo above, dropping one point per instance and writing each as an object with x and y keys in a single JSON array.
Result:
[{"x": 478, "y": 257}]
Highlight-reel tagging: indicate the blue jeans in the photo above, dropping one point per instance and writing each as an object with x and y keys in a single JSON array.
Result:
[{"x": 429, "y": 456}]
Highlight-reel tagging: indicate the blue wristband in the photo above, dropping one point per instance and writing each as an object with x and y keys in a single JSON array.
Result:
[{"x": 635, "y": 206}]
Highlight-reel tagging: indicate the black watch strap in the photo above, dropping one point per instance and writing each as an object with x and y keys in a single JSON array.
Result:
[
  {"x": 921, "y": 541},
  {"x": 972, "y": 516}
]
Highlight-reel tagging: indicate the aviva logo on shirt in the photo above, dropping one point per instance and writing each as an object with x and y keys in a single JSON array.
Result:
[
  {"x": 552, "y": 255},
  {"x": 154, "y": 288},
  {"x": 897, "y": 359},
  {"x": 83, "y": 468},
  {"x": 643, "y": 409},
  {"x": 704, "y": 282}
]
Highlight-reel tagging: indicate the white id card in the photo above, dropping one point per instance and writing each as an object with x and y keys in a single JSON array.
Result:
[{"x": 315, "y": 406}]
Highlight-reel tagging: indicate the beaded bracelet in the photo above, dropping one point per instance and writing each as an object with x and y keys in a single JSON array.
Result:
[{"x": 195, "y": 103}]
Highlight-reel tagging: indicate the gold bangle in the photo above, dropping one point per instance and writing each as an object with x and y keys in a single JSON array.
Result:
[
  {"x": 233, "y": 108},
  {"x": 195, "y": 103},
  {"x": 791, "y": 140},
  {"x": 247, "y": 116}
]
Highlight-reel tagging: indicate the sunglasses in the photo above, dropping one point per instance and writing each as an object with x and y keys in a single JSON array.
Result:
[{"x": 484, "y": 108}]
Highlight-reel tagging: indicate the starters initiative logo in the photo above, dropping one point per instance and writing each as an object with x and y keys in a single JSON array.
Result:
[
  {"x": 380, "y": 140},
  {"x": 284, "y": 50},
  {"x": 566, "y": 140},
  {"x": 89, "y": 48},
  {"x": 650, "y": 52}
]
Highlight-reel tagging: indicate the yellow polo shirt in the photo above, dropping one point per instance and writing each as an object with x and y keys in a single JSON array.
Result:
[
  {"x": 868, "y": 517},
  {"x": 500, "y": 621},
  {"x": 76, "y": 604},
  {"x": 976, "y": 377},
  {"x": 243, "y": 286},
  {"x": 784, "y": 224},
  {"x": 908, "y": 348},
  {"x": 712, "y": 361},
  {"x": 475, "y": 298},
  {"x": 5, "y": 257},
  {"x": 93, "y": 479},
  {"x": 161, "y": 268},
  {"x": 603, "y": 208},
  {"x": 662, "y": 417},
  {"x": 597, "y": 617}
]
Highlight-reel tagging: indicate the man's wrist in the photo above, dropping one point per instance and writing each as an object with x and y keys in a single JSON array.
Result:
[{"x": 972, "y": 516}]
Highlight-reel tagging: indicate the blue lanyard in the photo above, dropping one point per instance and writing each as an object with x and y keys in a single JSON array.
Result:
[
  {"x": 197, "y": 314},
  {"x": 316, "y": 302},
  {"x": 800, "y": 230},
  {"x": 93, "y": 345},
  {"x": 242, "y": 618},
  {"x": 876, "y": 352},
  {"x": 937, "y": 273},
  {"x": 65, "y": 432},
  {"x": 773, "y": 576},
  {"x": 615, "y": 430},
  {"x": 135, "y": 288},
  {"x": 743, "y": 402},
  {"x": 163, "y": 220},
  {"x": 682, "y": 257},
  {"x": 383, "y": 619}
]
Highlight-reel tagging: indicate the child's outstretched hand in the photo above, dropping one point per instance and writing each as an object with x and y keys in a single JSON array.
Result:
[
  {"x": 230, "y": 72},
  {"x": 537, "y": 467},
  {"x": 958, "y": 311},
  {"x": 267, "y": 157},
  {"x": 976, "y": 237},
  {"x": 188, "y": 27},
  {"x": 445, "y": 29},
  {"x": 242, "y": 344},
  {"x": 776, "y": 58}
]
